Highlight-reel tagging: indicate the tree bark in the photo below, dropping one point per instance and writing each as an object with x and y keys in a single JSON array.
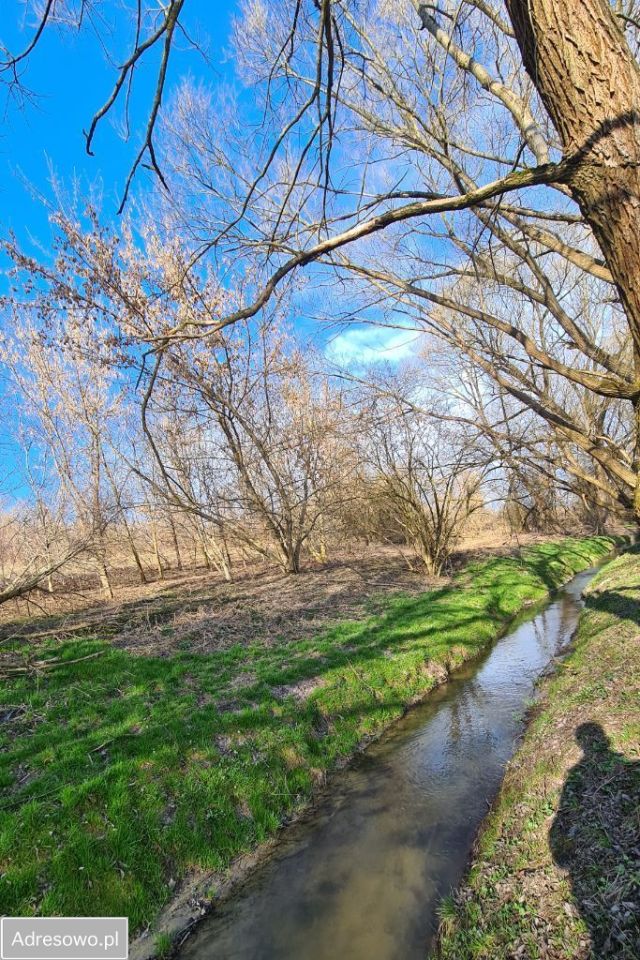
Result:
[
  {"x": 589, "y": 81},
  {"x": 176, "y": 545},
  {"x": 156, "y": 551},
  {"x": 105, "y": 580},
  {"x": 291, "y": 557}
]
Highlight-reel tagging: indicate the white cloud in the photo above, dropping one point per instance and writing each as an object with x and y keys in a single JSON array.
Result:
[{"x": 361, "y": 346}]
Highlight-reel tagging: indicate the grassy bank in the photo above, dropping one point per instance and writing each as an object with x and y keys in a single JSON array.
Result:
[
  {"x": 556, "y": 872},
  {"x": 122, "y": 774}
]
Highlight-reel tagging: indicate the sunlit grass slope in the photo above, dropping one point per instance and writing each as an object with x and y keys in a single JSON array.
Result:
[{"x": 121, "y": 774}]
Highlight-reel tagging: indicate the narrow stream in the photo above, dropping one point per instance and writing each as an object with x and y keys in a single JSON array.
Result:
[{"x": 361, "y": 877}]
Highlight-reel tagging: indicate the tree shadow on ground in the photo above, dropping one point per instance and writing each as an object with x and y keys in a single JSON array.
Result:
[{"x": 595, "y": 837}]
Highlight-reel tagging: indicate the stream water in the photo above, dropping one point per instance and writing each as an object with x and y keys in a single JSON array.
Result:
[{"x": 361, "y": 878}]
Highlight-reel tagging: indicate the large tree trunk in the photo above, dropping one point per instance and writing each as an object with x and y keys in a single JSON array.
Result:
[
  {"x": 589, "y": 81},
  {"x": 291, "y": 557}
]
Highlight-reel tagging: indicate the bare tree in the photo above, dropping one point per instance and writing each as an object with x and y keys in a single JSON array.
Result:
[
  {"x": 454, "y": 187},
  {"x": 437, "y": 139},
  {"x": 427, "y": 476},
  {"x": 259, "y": 430},
  {"x": 66, "y": 404},
  {"x": 36, "y": 543},
  {"x": 330, "y": 58}
]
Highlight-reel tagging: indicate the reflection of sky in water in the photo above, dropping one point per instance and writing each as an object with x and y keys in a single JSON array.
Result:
[{"x": 362, "y": 877}]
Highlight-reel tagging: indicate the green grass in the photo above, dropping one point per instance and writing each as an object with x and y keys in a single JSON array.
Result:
[
  {"x": 121, "y": 774},
  {"x": 555, "y": 872}
]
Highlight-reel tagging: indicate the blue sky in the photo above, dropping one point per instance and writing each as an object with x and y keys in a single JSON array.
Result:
[{"x": 71, "y": 79}]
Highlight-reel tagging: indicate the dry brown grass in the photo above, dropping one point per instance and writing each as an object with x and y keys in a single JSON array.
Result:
[{"x": 198, "y": 610}]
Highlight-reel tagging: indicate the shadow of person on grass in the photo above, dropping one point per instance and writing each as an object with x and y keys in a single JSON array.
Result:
[{"x": 596, "y": 838}]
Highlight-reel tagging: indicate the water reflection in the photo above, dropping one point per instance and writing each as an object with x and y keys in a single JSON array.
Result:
[{"x": 362, "y": 878}]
